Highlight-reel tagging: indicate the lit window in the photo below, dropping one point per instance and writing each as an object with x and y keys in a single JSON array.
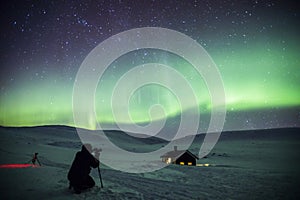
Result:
[
  {"x": 189, "y": 163},
  {"x": 169, "y": 160},
  {"x": 181, "y": 163}
]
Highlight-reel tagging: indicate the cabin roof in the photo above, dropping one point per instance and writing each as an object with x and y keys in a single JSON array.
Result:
[{"x": 176, "y": 154}]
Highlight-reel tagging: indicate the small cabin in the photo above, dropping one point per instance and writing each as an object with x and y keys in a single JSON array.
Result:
[{"x": 179, "y": 157}]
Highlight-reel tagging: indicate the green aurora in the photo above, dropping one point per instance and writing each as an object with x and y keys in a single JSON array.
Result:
[
  {"x": 257, "y": 77},
  {"x": 255, "y": 45}
]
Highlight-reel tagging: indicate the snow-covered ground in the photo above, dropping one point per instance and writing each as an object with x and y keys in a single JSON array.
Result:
[{"x": 243, "y": 165}]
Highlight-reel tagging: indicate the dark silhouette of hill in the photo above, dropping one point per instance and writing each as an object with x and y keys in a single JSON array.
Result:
[
  {"x": 72, "y": 140},
  {"x": 261, "y": 134},
  {"x": 115, "y": 135}
]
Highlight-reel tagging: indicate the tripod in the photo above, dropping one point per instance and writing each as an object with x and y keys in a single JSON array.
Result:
[
  {"x": 34, "y": 159},
  {"x": 96, "y": 152}
]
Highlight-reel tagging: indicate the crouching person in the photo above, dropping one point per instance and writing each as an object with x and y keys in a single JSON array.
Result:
[{"x": 78, "y": 175}]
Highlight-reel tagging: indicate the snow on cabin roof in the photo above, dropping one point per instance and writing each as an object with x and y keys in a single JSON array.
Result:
[{"x": 176, "y": 154}]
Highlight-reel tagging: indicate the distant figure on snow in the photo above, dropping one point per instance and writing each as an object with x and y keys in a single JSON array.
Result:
[{"x": 81, "y": 167}]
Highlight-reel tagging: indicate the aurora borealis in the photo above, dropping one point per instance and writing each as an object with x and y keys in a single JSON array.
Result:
[{"x": 255, "y": 45}]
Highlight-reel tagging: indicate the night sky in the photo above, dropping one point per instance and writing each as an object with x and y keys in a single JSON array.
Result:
[{"x": 255, "y": 45}]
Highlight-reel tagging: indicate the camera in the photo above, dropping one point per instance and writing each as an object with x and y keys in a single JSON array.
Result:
[{"x": 96, "y": 150}]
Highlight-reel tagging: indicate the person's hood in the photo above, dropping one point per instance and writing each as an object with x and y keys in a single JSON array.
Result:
[{"x": 86, "y": 148}]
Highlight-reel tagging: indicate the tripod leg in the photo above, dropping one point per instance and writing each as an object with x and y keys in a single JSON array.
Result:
[
  {"x": 38, "y": 162},
  {"x": 100, "y": 177}
]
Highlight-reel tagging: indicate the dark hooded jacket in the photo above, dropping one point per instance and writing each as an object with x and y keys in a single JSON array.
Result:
[{"x": 81, "y": 166}]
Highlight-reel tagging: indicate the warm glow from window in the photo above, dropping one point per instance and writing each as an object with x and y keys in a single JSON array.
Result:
[
  {"x": 181, "y": 163},
  {"x": 169, "y": 160},
  {"x": 203, "y": 165},
  {"x": 189, "y": 163}
]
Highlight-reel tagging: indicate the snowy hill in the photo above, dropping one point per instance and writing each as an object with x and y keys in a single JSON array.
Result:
[{"x": 262, "y": 164}]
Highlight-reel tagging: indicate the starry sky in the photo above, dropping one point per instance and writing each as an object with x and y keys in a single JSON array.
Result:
[{"x": 255, "y": 45}]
